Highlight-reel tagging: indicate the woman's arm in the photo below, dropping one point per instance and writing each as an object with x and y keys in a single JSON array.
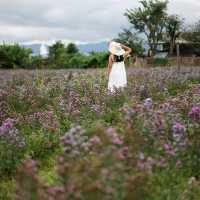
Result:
[
  {"x": 128, "y": 50},
  {"x": 110, "y": 62}
]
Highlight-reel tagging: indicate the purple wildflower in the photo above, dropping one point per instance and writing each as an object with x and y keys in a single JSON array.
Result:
[
  {"x": 95, "y": 141},
  {"x": 178, "y": 131},
  {"x": 195, "y": 113},
  {"x": 10, "y": 135},
  {"x": 178, "y": 164},
  {"x": 123, "y": 153},
  {"x": 169, "y": 150},
  {"x": 113, "y": 136},
  {"x": 75, "y": 141}
]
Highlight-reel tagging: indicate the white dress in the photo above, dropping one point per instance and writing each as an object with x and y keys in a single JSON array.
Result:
[{"x": 117, "y": 77}]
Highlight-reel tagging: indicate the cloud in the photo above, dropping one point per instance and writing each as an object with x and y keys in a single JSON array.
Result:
[{"x": 74, "y": 20}]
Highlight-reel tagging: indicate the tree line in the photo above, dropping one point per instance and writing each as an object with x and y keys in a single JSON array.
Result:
[
  {"x": 150, "y": 21},
  {"x": 60, "y": 56}
]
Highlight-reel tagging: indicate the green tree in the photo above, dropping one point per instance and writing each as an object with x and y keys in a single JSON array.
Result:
[
  {"x": 192, "y": 33},
  {"x": 37, "y": 62},
  {"x": 149, "y": 19},
  {"x": 57, "y": 54},
  {"x": 72, "y": 49},
  {"x": 14, "y": 56},
  {"x": 131, "y": 39},
  {"x": 173, "y": 30}
]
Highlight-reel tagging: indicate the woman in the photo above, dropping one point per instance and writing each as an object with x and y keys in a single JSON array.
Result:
[{"x": 116, "y": 66}]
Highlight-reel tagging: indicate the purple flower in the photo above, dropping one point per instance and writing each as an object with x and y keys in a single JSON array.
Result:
[
  {"x": 167, "y": 146},
  {"x": 169, "y": 150},
  {"x": 178, "y": 164},
  {"x": 8, "y": 123},
  {"x": 161, "y": 162},
  {"x": 55, "y": 190},
  {"x": 146, "y": 164},
  {"x": 95, "y": 141},
  {"x": 141, "y": 166},
  {"x": 113, "y": 136},
  {"x": 96, "y": 108},
  {"x": 75, "y": 141},
  {"x": 178, "y": 131},
  {"x": 195, "y": 113},
  {"x": 10, "y": 135},
  {"x": 123, "y": 153},
  {"x": 179, "y": 128}
]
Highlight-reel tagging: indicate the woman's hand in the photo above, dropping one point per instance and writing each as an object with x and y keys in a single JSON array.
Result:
[{"x": 127, "y": 49}]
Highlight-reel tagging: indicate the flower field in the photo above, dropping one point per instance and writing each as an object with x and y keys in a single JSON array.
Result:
[{"x": 64, "y": 136}]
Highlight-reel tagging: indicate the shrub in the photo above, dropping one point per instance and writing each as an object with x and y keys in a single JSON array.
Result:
[{"x": 14, "y": 56}]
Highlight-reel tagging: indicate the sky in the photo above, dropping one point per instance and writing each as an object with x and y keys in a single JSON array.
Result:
[{"x": 80, "y": 21}]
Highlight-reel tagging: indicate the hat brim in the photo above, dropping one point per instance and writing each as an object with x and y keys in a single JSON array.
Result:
[{"x": 118, "y": 53}]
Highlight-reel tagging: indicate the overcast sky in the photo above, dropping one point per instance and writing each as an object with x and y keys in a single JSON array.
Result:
[{"x": 74, "y": 20}]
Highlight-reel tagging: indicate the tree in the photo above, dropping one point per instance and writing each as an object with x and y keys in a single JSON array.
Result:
[
  {"x": 14, "y": 56},
  {"x": 149, "y": 19},
  {"x": 173, "y": 26},
  {"x": 71, "y": 49},
  {"x": 57, "y": 50},
  {"x": 57, "y": 54},
  {"x": 131, "y": 39},
  {"x": 192, "y": 33}
]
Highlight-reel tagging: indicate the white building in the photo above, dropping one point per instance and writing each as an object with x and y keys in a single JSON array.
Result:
[{"x": 44, "y": 50}]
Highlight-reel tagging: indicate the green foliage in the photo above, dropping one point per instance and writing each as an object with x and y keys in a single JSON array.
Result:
[
  {"x": 37, "y": 62},
  {"x": 131, "y": 39},
  {"x": 75, "y": 61},
  {"x": 93, "y": 60},
  {"x": 96, "y": 60},
  {"x": 10, "y": 157},
  {"x": 57, "y": 55},
  {"x": 173, "y": 26},
  {"x": 192, "y": 33},
  {"x": 71, "y": 49},
  {"x": 7, "y": 189},
  {"x": 160, "y": 62},
  {"x": 149, "y": 19},
  {"x": 69, "y": 57},
  {"x": 14, "y": 56}
]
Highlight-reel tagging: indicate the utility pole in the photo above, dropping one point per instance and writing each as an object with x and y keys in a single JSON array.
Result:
[{"x": 178, "y": 55}]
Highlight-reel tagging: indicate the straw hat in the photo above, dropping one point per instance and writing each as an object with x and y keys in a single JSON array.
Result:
[{"x": 116, "y": 49}]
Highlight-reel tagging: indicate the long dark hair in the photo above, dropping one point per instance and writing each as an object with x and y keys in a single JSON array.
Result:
[{"x": 118, "y": 58}]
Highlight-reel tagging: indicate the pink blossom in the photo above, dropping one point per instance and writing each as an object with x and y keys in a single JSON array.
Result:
[
  {"x": 195, "y": 113},
  {"x": 95, "y": 141},
  {"x": 123, "y": 153}
]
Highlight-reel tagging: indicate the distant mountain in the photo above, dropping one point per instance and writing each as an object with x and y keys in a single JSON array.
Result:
[
  {"x": 38, "y": 48},
  {"x": 35, "y": 48},
  {"x": 93, "y": 47}
]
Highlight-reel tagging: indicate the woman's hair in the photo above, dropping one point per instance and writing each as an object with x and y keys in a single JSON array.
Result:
[{"x": 118, "y": 58}]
